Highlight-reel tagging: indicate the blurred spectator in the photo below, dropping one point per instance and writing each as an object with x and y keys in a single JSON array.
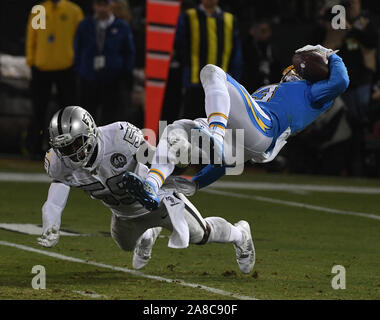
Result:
[
  {"x": 138, "y": 27},
  {"x": 104, "y": 58},
  {"x": 173, "y": 92},
  {"x": 121, "y": 10},
  {"x": 205, "y": 34},
  {"x": 376, "y": 91},
  {"x": 261, "y": 65},
  {"x": 357, "y": 46},
  {"x": 49, "y": 52},
  {"x": 359, "y": 54},
  {"x": 325, "y": 34}
]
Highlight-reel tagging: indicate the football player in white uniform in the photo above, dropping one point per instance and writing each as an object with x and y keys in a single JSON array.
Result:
[{"x": 95, "y": 160}]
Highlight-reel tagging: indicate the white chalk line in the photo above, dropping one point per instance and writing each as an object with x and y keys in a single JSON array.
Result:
[
  {"x": 93, "y": 295},
  {"x": 263, "y": 186},
  {"x": 293, "y": 204},
  {"x": 24, "y": 177},
  {"x": 126, "y": 270},
  {"x": 268, "y": 186}
]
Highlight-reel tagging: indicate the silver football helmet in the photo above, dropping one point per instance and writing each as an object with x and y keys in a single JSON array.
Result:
[{"x": 73, "y": 135}]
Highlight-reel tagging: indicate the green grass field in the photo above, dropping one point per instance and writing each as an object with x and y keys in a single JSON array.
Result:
[{"x": 296, "y": 247}]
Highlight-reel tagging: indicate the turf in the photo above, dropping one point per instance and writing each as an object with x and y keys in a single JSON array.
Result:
[{"x": 296, "y": 247}]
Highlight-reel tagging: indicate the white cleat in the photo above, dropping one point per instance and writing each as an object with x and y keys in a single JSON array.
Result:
[
  {"x": 245, "y": 252},
  {"x": 143, "y": 249}
]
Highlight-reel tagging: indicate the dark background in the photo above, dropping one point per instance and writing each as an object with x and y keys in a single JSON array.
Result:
[{"x": 293, "y": 24}]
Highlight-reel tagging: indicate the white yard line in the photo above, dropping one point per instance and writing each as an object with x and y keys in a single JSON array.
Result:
[
  {"x": 293, "y": 204},
  {"x": 126, "y": 270},
  {"x": 24, "y": 177},
  {"x": 268, "y": 186},
  {"x": 90, "y": 294}
]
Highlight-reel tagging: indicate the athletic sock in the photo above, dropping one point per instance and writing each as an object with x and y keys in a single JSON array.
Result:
[
  {"x": 156, "y": 178},
  {"x": 222, "y": 231},
  {"x": 217, "y": 98},
  {"x": 217, "y": 123},
  {"x": 162, "y": 165}
]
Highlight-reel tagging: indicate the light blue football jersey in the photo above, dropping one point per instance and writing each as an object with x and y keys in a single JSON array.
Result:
[{"x": 296, "y": 104}]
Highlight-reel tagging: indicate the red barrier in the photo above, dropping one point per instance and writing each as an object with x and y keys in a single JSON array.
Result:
[
  {"x": 161, "y": 21},
  {"x": 157, "y": 68},
  {"x": 158, "y": 40},
  {"x": 159, "y": 12}
]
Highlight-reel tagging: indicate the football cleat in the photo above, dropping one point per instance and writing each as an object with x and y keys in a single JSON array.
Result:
[
  {"x": 142, "y": 191},
  {"x": 216, "y": 146},
  {"x": 143, "y": 249},
  {"x": 245, "y": 251}
]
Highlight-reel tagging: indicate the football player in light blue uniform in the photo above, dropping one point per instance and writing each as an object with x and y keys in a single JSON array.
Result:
[
  {"x": 268, "y": 117},
  {"x": 291, "y": 105}
]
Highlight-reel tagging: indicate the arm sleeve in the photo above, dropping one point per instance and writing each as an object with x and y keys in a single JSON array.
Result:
[
  {"x": 54, "y": 205},
  {"x": 327, "y": 90},
  {"x": 208, "y": 175}
]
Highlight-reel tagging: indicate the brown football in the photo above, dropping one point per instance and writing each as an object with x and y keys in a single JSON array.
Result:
[{"x": 311, "y": 65}]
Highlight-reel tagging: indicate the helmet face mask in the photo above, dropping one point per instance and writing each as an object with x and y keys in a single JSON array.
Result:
[
  {"x": 290, "y": 74},
  {"x": 75, "y": 151},
  {"x": 73, "y": 135}
]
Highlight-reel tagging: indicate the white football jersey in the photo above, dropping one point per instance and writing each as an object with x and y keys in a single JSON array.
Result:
[{"x": 117, "y": 145}]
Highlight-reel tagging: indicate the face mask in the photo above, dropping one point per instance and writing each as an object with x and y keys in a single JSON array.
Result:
[{"x": 290, "y": 74}]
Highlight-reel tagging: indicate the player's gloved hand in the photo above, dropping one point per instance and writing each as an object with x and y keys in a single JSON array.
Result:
[
  {"x": 321, "y": 49},
  {"x": 49, "y": 238}
]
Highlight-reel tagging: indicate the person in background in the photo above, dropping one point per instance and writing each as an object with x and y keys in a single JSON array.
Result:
[
  {"x": 171, "y": 109},
  {"x": 50, "y": 54},
  {"x": 261, "y": 66},
  {"x": 104, "y": 56},
  {"x": 121, "y": 10},
  {"x": 205, "y": 35},
  {"x": 359, "y": 53}
]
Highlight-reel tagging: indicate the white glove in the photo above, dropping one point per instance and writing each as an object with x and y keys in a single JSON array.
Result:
[
  {"x": 49, "y": 238},
  {"x": 320, "y": 49}
]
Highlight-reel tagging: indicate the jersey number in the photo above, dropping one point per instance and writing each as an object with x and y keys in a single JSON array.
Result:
[
  {"x": 115, "y": 185},
  {"x": 264, "y": 94}
]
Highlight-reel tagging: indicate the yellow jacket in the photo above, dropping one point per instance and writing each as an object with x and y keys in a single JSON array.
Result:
[{"x": 52, "y": 49}]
